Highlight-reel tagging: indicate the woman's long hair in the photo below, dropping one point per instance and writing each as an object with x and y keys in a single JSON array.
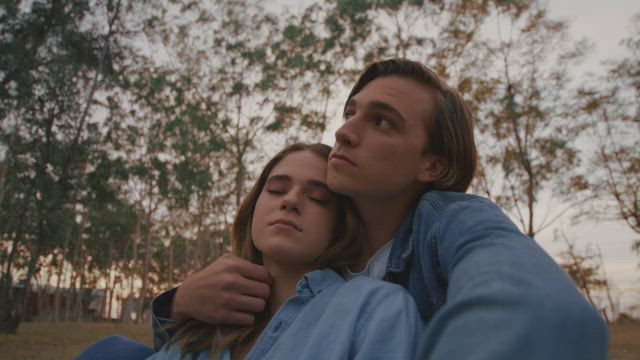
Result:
[{"x": 194, "y": 336}]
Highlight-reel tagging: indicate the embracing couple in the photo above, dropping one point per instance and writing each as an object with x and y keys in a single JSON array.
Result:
[{"x": 372, "y": 250}]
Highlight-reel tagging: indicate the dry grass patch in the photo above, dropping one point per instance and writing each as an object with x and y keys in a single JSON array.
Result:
[
  {"x": 624, "y": 341},
  {"x": 45, "y": 341}
]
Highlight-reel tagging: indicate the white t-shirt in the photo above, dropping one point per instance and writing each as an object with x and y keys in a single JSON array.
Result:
[{"x": 376, "y": 266}]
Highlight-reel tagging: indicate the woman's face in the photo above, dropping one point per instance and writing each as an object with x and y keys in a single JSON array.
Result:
[{"x": 295, "y": 214}]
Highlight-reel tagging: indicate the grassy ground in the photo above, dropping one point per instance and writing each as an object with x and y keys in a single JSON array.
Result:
[
  {"x": 45, "y": 341},
  {"x": 65, "y": 341},
  {"x": 625, "y": 341}
]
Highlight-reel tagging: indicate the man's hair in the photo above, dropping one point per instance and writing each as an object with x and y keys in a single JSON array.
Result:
[
  {"x": 449, "y": 126},
  {"x": 344, "y": 248}
]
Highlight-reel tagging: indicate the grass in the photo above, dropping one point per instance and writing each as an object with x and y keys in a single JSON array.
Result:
[
  {"x": 624, "y": 341},
  {"x": 45, "y": 341}
]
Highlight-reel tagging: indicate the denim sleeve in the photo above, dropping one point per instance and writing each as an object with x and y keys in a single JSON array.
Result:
[
  {"x": 506, "y": 298},
  {"x": 390, "y": 328},
  {"x": 161, "y": 316}
]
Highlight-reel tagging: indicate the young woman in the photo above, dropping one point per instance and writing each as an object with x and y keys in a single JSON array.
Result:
[{"x": 307, "y": 237}]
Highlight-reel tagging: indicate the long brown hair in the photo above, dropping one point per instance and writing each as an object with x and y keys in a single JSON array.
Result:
[
  {"x": 194, "y": 336},
  {"x": 449, "y": 127}
]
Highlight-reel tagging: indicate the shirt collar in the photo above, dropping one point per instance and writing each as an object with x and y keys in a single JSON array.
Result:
[{"x": 315, "y": 282}]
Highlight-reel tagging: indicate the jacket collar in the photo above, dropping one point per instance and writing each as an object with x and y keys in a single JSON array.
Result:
[{"x": 402, "y": 244}]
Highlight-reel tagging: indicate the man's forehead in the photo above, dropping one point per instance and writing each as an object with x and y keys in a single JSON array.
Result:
[
  {"x": 402, "y": 93},
  {"x": 395, "y": 86}
]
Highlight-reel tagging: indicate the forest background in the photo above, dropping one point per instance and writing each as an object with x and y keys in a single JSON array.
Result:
[{"x": 130, "y": 130}]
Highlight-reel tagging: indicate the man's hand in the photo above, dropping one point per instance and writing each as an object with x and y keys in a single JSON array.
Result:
[{"x": 229, "y": 291}]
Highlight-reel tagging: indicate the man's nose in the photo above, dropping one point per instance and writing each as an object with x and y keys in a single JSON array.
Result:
[{"x": 348, "y": 133}]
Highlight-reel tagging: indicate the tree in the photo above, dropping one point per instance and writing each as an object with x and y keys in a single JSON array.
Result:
[
  {"x": 586, "y": 268},
  {"x": 612, "y": 107},
  {"x": 50, "y": 68},
  {"x": 526, "y": 126}
]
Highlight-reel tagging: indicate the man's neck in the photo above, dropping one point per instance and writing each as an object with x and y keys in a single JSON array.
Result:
[{"x": 382, "y": 217}]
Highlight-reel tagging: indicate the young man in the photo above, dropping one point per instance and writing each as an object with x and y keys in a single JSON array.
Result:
[{"x": 406, "y": 154}]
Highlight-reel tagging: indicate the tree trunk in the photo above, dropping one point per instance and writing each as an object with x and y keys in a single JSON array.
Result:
[
  {"x": 44, "y": 313},
  {"x": 612, "y": 306},
  {"x": 78, "y": 309},
  {"x": 134, "y": 266},
  {"x": 171, "y": 263},
  {"x": 117, "y": 284},
  {"x": 112, "y": 290},
  {"x": 72, "y": 285},
  {"x": 33, "y": 268},
  {"x": 145, "y": 271},
  {"x": 81, "y": 270},
  {"x": 56, "y": 299},
  {"x": 40, "y": 299},
  {"x": 10, "y": 313}
]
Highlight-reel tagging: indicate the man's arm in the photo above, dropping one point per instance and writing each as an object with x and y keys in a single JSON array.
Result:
[
  {"x": 160, "y": 317},
  {"x": 228, "y": 291},
  {"x": 506, "y": 298},
  {"x": 391, "y": 329}
]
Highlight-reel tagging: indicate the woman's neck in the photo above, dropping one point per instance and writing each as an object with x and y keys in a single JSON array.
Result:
[
  {"x": 285, "y": 278},
  {"x": 283, "y": 287}
]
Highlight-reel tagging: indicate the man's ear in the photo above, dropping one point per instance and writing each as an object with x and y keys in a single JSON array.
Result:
[{"x": 432, "y": 168}]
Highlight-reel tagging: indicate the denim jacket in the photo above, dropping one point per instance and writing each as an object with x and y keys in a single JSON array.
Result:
[
  {"x": 486, "y": 290},
  {"x": 329, "y": 318}
]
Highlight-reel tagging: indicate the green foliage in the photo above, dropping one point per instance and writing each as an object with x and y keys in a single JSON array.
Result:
[
  {"x": 47, "y": 66},
  {"x": 194, "y": 96}
]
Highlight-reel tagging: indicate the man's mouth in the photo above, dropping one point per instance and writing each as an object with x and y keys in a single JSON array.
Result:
[{"x": 340, "y": 157}]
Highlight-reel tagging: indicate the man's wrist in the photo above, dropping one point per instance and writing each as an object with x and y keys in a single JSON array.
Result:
[{"x": 162, "y": 305}]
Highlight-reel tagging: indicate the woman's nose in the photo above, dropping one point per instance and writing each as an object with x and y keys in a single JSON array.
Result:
[{"x": 291, "y": 202}]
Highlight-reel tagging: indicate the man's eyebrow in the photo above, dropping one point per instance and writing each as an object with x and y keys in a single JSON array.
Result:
[
  {"x": 378, "y": 105},
  {"x": 383, "y": 106}
]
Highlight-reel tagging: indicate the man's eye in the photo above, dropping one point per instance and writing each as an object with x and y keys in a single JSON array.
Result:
[
  {"x": 383, "y": 123},
  {"x": 275, "y": 191},
  {"x": 347, "y": 115}
]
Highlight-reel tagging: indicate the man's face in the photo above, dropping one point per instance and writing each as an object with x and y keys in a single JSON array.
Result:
[{"x": 379, "y": 149}]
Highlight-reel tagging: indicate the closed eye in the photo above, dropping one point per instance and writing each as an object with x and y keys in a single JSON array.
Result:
[
  {"x": 275, "y": 191},
  {"x": 319, "y": 200}
]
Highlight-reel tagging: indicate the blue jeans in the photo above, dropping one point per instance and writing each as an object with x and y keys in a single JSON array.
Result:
[{"x": 116, "y": 347}]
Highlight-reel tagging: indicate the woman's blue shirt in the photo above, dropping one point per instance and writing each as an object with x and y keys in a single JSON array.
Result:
[{"x": 330, "y": 318}]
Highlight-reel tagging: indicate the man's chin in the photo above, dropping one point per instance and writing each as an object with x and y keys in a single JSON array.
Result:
[{"x": 340, "y": 185}]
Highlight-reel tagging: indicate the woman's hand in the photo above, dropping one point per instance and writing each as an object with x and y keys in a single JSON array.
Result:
[{"x": 229, "y": 291}]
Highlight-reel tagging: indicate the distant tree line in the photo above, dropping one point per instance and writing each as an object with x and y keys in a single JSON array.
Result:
[{"x": 130, "y": 130}]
